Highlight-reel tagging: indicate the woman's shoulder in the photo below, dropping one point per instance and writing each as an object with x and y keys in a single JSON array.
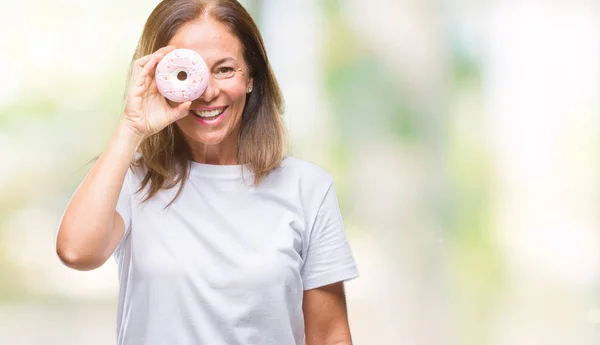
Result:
[
  {"x": 303, "y": 179},
  {"x": 300, "y": 169}
]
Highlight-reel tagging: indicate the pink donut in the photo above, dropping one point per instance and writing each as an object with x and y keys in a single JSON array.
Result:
[{"x": 182, "y": 75}]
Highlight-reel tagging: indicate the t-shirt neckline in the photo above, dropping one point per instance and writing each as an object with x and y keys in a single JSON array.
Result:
[{"x": 216, "y": 170}]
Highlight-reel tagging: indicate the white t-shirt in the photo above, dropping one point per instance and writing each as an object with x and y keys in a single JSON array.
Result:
[{"x": 227, "y": 263}]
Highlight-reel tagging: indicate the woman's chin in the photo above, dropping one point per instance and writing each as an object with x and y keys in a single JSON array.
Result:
[
  {"x": 212, "y": 139},
  {"x": 211, "y": 136}
]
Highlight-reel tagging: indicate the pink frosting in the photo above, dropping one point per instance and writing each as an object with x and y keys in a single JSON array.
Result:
[{"x": 171, "y": 65}]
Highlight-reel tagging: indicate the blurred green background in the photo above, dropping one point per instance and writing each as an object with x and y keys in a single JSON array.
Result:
[{"x": 462, "y": 135}]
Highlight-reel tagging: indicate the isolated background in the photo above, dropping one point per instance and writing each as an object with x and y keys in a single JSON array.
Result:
[{"x": 463, "y": 137}]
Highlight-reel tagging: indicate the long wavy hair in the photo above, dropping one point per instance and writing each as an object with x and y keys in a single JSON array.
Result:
[{"x": 262, "y": 136}]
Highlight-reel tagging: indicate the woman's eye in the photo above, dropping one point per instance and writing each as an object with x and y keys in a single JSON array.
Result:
[{"x": 224, "y": 72}]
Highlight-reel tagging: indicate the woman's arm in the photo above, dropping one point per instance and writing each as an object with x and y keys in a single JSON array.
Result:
[
  {"x": 325, "y": 316},
  {"x": 90, "y": 228}
]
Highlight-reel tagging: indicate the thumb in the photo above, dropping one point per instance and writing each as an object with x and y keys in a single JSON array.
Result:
[{"x": 183, "y": 110}]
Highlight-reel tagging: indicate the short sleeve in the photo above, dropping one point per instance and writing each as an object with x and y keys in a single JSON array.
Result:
[
  {"x": 328, "y": 258},
  {"x": 124, "y": 206}
]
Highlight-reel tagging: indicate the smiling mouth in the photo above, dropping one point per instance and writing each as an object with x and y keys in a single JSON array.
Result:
[{"x": 208, "y": 114}]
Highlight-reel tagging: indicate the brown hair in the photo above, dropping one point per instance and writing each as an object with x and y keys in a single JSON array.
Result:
[{"x": 262, "y": 137}]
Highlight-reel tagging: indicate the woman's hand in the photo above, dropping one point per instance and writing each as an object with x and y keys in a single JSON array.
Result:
[{"x": 146, "y": 109}]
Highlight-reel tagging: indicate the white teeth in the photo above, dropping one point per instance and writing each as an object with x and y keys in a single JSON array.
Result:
[{"x": 209, "y": 113}]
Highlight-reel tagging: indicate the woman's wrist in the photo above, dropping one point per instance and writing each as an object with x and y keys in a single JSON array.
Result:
[{"x": 127, "y": 137}]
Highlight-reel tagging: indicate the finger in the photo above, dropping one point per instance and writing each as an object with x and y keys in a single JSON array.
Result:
[
  {"x": 183, "y": 110},
  {"x": 141, "y": 83},
  {"x": 153, "y": 88},
  {"x": 146, "y": 71},
  {"x": 149, "y": 78},
  {"x": 158, "y": 55},
  {"x": 141, "y": 62},
  {"x": 138, "y": 65},
  {"x": 165, "y": 50},
  {"x": 148, "y": 74}
]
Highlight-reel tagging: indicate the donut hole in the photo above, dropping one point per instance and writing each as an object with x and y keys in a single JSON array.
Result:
[{"x": 182, "y": 75}]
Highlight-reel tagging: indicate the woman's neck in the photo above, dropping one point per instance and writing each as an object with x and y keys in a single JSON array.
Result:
[{"x": 224, "y": 153}]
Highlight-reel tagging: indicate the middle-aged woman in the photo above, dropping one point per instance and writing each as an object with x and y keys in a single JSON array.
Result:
[{"x": 220, "y": 238}]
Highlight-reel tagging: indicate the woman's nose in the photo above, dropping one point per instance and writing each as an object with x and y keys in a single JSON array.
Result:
[{"x": 212, "y": 90}]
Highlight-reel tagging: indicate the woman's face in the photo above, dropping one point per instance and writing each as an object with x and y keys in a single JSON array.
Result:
[{"x": 225, "y": 95}]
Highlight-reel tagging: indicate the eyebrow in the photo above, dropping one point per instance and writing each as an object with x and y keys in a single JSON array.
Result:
[{"x": 224, "y": 60}]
